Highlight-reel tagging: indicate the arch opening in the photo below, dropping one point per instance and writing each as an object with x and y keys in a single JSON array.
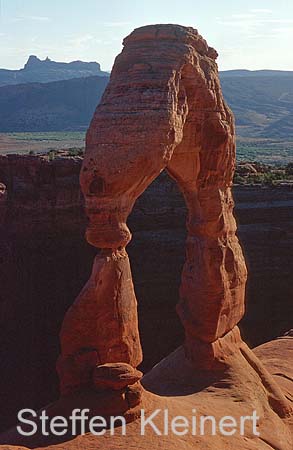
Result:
[{"x": 169, "y": 115}]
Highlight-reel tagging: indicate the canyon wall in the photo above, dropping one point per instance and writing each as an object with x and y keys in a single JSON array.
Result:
[{"x": 45, "y": 261}]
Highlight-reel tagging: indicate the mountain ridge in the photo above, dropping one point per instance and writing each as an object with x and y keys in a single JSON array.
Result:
[
  {"x": 255, "y": 73},
  {"x": 262, "y": 100},
  {"x": 44, "y": 71},
  {"x": 55, "y": 106}
]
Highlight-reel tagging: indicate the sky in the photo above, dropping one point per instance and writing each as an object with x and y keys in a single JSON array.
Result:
[{"x": 248, "y": 34}]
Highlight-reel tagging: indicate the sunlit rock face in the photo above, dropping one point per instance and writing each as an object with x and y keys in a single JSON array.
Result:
[{"x": 163, "y": 109}]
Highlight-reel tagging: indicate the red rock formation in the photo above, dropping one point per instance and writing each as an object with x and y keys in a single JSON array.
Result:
[
  {"x": 163, "y": 109},
  {"x": 102, "y": 321},
  {"x": 115, "y": 376},
  {"x": 42, "y": 193},
  {"x": 40, "y": 236},
  {"x": 174, "y": 385}
]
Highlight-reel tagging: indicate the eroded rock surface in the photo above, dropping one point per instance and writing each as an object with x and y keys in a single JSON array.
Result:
[
  {"x": 41, "y": 240},
  {"x": 40, "y": 191},
  {"x": 163, "y": 109}
]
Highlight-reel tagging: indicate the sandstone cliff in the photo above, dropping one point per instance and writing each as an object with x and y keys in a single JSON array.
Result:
[
  {"x": 194, "y": 140},
  {"x": 45, "y": 243}
]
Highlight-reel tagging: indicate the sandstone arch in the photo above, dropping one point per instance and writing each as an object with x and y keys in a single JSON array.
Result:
[{"x": 163, "y": 109}]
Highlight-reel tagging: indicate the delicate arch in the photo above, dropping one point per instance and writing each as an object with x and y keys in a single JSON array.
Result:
[{"x": 163, "y": 108}]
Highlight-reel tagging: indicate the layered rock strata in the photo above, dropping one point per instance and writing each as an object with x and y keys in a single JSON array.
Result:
[
  {"x": 40, "y": 193},
  {"x": 163, "y": 109},
  {"x": 99, "y": 338}
]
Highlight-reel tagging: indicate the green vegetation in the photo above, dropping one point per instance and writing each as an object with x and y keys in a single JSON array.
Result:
[
  {"x": 255, "y": 173},
  {"x": 48, "y": 136},
  {"x": 76, "y": 151},
  {"x": 42, "y": 142},
  {"x": 51, "y": 155},
  {"x": 272, "y": 152},
  {"x": 277, "y": 153},
  {"x": 289, "y": 169}
]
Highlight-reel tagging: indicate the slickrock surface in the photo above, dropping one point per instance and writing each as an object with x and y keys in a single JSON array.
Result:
[
  {"x": 163, "y": 109},
  {"x": 115, "y": 376},
  {"x": 175, "y": 385}
]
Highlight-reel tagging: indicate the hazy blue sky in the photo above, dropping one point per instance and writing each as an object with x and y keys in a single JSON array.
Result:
[{"x": 248, "y": 34}]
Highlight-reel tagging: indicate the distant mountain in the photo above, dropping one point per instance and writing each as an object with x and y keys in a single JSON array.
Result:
[
  {"x": 36, "y": 70},
  {"x": 56, "y": 106},
  {"x": 255, "y": 73},
  {"x": 262, "y": 102}
]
